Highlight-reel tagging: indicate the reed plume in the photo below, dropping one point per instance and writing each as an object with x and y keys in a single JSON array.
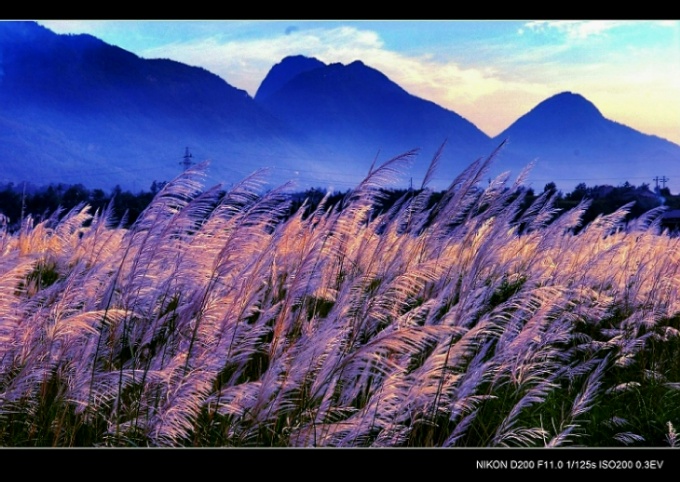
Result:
[{"x": 220, "y": 318}]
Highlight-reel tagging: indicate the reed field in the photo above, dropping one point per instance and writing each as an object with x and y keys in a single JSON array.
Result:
[{"x": 218, "y": 319}]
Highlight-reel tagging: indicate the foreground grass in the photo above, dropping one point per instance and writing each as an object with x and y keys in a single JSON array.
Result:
[{"x": 222, "y": 321}]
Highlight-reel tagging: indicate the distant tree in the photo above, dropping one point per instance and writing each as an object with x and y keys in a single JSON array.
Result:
[
  {"x": 156, "y": 186},
  {"x": 580, "y": 191},
  {"x": 10, "y": 203},
  {"x": 75, "y": 195}
]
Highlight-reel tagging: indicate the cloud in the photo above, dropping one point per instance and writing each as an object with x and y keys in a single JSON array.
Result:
[
  {"x": 574, "y": 29},
  {"x": 490, "y": 80},
  {"x": 245, "y": 63},
  {"x": 74, "y": 26},
  {"x": 584, "y": 29}
]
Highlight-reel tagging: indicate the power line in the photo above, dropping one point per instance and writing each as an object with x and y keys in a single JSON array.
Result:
[
  {"x": 663, "y": 181},
  {"x": 187, "y": 162}
]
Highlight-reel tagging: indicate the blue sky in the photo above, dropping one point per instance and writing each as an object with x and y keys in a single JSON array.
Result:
[{"x": 490, "y": 72}]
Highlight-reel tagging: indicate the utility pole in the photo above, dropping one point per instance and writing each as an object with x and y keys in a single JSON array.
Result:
[
  {"x": 187, "y": 162},
  {"x": 23, "y": 203},
  {"x": 662, "y": 179}
]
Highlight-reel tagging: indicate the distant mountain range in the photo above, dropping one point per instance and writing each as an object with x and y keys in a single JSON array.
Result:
[{"x": 74, "y": 109}]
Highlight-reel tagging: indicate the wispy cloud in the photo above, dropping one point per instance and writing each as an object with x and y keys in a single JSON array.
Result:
[
  {"x": 585, "y": 29},
  {"x": 574, "y": 29},
  {"x": 245, "y": 63},
  {"x": 70, "y": 26},
  {"x": 490, "y": 73}
]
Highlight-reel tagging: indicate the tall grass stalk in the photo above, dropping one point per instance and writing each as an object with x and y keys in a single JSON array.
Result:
[{"x": 221, "y": 319}]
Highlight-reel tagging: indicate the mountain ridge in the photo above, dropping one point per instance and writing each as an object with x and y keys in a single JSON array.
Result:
[
  {"x": 363, "y": 113},
  {"x": 76, "y": 109}
]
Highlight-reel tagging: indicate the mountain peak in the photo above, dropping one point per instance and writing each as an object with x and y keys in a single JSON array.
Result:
[
  {"x": 574, "y": 142},
  {"x": 284, "y": 71},
  {"x": 558, "y": 117},
  {"x": 570, "y": 106}
]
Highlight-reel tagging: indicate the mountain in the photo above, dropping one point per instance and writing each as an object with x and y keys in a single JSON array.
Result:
[
  {"x": 75, "y": 109},
  {"x": 573, "y": 142},
  {"x": 284, "y": 71},
  {"x": 355, "y": 112}
]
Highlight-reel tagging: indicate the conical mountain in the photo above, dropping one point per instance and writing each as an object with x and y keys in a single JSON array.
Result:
[
  {"x": 572, "y": 142},
  {"x": 563, "y": 116}
]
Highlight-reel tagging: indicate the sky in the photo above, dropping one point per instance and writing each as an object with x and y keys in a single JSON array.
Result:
[{"x": 490, "y": 72}]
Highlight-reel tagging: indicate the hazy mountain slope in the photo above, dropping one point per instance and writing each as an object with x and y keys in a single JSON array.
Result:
[
  {"x": 573, "y": 142},
  {"x": 76, "y": 106},
  {"x": 356, "y": 110}
]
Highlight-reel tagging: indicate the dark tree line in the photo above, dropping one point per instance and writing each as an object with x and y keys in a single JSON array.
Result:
[
  {"x": 18, "y": 201},
  {"x": 606, "y": 199}
]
